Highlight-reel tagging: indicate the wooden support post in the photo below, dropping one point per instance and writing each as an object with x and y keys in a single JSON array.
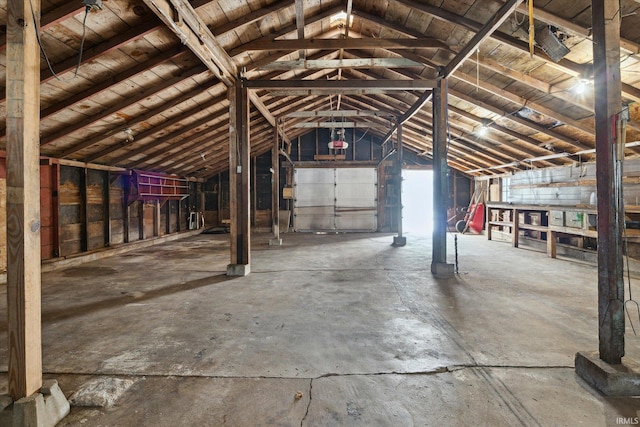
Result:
[
  {"x": 439, "y": 266},
  {"x": 239, "y": 167},
  {"x": 107, "y": 208},
  {"x": 608, "y": 104},
  {"x": 84, "y": 211},
  {"x": 156, "y": 218},
  {"x": 56, "y": 207},
  {"x": 220, "y": 199},
  {"x": 399, "y": 240},
  {"x": 167, "y": 225},
  {"x": 126, "y": 210},
  {"x": 141, "y": 235},
  {"x": 23, "y": 200},
  {"x": 275, "y": 189},
  {"x": 515, "y": 231},
  {"x": 552, "y": 246}
]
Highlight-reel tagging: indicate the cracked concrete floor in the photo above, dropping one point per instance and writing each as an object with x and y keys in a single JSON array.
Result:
[{"x": 328, "y": 330}]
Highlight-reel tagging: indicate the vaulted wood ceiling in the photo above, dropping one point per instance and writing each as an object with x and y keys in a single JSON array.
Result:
[{"x": 150, "y": 91}]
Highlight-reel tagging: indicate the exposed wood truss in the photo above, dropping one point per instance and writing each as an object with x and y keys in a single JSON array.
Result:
[{"x": 160, "y": 70}]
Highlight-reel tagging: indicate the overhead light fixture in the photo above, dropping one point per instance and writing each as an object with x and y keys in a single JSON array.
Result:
[
  {"x": 92, "y": 4},
  {"x": 551, "y": 44},
  {"x": 484, "y": 128},
  {"x": 581, "y": 86},
  {"x": 128, "y": 134}
]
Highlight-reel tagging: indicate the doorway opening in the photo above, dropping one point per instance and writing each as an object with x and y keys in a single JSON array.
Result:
[{"x": 417, "y": 201}]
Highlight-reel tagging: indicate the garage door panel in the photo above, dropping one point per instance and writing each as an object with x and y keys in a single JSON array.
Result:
[
  {"x": 315, "y": 218},
  {"x": 314, "y": 175},
  {"x": 342, "y": 199},
  {"x": 359, "y": 196},
  {"x": 315, "y": 195},
  {"x": 357, "y": 221}
]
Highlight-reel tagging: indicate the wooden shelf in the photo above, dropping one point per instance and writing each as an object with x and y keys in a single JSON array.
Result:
[
  {"x": 155, "y": 186},
  {"x": 575, "y": 220},
  {"x": 541, "y": 228},
  {"x": 501, "y": 223}
]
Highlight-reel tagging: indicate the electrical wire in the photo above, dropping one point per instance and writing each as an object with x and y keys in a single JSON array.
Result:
[{"x": 44, "y": 53}]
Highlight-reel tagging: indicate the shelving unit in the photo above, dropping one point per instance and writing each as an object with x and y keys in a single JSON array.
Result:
[
  {"x": 547, "y": 223},
  {"x": 532, "y": 220},
  {"x": 152, "y": 186}
]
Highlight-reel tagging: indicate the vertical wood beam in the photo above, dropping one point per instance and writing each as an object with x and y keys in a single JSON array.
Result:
[
  {"x": 219, "y": 199},
  {"x": 141, "y": 235},
  {"x": 239, "y": 168},
  {"x": 399, "y": 240},
  {"x": 107, "y": 206},
  {"x": 608, "y": 105},
  {"x": 515, "y": 230},
  {"x": 56, "y": 207},
  {"x": 439, "y": 254},
  {"x": 254, "y": 187},
  {"x": 156, "y": 218},
  {"x": 84, "y": 211},
  {"x": 275, "y": 189},
  {"x": 167, "y": 228},
  {"x": 23, "y": 199},
  {"x": 126, "y": 211}
]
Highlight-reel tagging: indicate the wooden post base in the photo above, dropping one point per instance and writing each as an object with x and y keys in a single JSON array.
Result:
[{"x": 45, "y": 408}]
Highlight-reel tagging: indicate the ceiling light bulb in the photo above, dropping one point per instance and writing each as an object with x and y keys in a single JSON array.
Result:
[
  {"x": 482, "y": 130},
  {"x": 581, "y": 87}
]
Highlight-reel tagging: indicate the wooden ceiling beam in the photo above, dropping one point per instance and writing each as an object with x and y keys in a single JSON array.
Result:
[
  {"x": 99, "y": 87},
  {"x": 216, "y": 152},
  {"x": 235, "y": 51},
  {"x": 564, "y": 65},
  {"x": 300, "y": 25},
  {"x": 497, "y": 146},
  {"x": 331, "y": 125},
  {"x": 138, "y": 119},
  {"x": 488, "y": 63},
  {"x": 425, "y": 118},
  {"x": 525, "y": 139},
  {"x": 511, "y": 116},
  {"x": 573, "y": 28},
  {"x": 340, "y": 85},
  {"x": 196, "y": 35},
  {"x": 203, "y": 121},
  {"x": 509, "y": 96},
  {"x": 132, "y": 99},
  {"x": 338, "y": 113},
  {"x": 250, "y": 18},
  {"x": 186, "y": 145},
  {"x": 336, "y": 44},
  {"x": 92, "y": 53},
  {"x": 342, "y": 63},
  {"x": 485, "y": 32},
  {"x": 178, "y": 150},
  {"x": 51, "y": 18},
  {"x": 155, "y": 129}
]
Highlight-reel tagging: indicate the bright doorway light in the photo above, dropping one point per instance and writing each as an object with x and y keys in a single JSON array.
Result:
[{"x": 417, "y": 201}]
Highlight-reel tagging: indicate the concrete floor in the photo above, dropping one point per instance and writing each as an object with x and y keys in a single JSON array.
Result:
[{"x": 328, "y": 330}]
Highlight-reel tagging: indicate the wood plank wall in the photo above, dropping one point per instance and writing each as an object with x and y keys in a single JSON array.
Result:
[
  {"x": 71, "y": 210},
  {"x": 84, "y": 210}
]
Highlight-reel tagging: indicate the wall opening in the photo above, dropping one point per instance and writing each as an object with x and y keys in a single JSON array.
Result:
[{"x": 417, "y": 201}]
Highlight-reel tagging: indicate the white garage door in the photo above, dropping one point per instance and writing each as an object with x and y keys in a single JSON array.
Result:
[{"x": 335, "y": 199}]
